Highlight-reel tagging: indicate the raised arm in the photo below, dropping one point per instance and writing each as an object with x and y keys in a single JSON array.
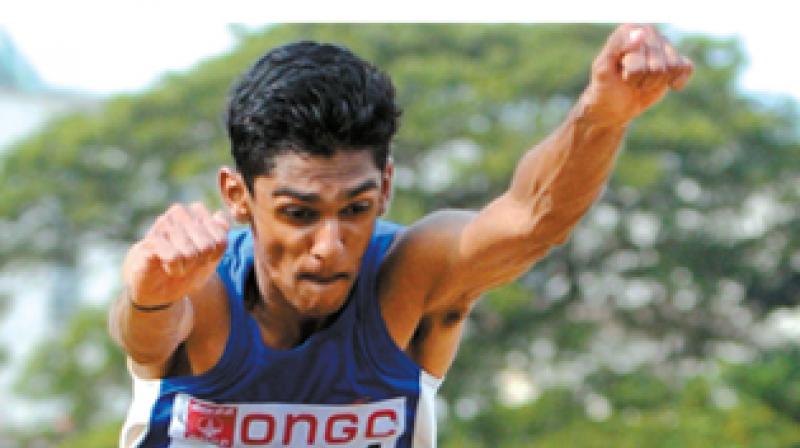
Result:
[
  {"x": 167, "y": 276},
  {"x": 557, "y": 181},
  {"x": 453, "y": 256}
]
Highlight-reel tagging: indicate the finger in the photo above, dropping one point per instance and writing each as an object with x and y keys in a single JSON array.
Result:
[
  {"x": 634, "y": 65},
  {"x": 656, "y": 76},
  {"x": 684, "y": 73},
  {"x": 202, "y": 237},
  {"x": 157, "y": 242},
  {"x": 144, "y": 257},
  {"x": 203, "y": 217},
  {"x": 223, "y": 219},
  {"x": 191, "y": 221},
  {"x": 625, "y": 39},
  {"x": 159, "y": 226},
  {"x": 672, "y": 57},
  {"x": 674, "y": 64},
  {"x": 216, "y": 233},
  {"x": 177, "y": 233},
  {"x": 166, "y": 255}
]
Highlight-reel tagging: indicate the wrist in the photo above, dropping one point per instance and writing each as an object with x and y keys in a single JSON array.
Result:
[
  {"x": 601, "y": 110},
  {"x": 150, "y": 308}
]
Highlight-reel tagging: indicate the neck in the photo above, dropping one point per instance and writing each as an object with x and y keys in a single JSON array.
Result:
[{"x": 282, "y": 327}]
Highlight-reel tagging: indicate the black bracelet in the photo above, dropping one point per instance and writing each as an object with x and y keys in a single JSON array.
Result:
[{"x": 148, "y": 308}]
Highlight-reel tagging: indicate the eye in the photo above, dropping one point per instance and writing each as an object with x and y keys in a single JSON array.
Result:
[
  {"x": 299, "y": 214},
  {"x": 356, "y": 208}
]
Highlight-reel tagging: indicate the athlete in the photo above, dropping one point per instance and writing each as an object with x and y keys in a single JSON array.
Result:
[{"x": 318, "y": 323}]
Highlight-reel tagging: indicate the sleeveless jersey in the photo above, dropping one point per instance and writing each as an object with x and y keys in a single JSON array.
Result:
[{"x": 348, "y": 385}]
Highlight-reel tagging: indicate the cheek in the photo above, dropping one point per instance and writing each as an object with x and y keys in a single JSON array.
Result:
[
  {"x": 357, "y": 240},
  {"x": 279, "y": 251}
]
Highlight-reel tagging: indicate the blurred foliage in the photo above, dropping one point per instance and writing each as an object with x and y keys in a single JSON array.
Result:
[
  {"x": 775, "y": 379},
  {"x": 103, "y": 436},
  {"x": 658, "y": 417},
  {"x": 83, "y": 368},
  {"x": 5, "y": 301},
  {"x": 675, "y": 269}
]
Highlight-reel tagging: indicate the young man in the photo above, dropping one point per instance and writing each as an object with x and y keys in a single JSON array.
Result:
[{"x": 319, "y": 324}]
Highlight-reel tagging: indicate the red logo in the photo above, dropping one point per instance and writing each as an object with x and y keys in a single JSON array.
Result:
[{"x": 210, "y": 422}]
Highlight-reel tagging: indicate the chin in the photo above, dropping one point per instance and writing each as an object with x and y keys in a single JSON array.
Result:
[{"x": 318, "y": 304}]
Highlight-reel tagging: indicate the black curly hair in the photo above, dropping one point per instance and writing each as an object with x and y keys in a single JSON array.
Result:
[{"x": 311, "y": 98}]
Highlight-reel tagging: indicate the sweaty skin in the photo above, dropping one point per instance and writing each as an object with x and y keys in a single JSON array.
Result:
[{"x": 312, "y": 216}]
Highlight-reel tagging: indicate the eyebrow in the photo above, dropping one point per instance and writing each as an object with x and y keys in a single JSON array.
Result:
[{"x": 314, "y": 197}]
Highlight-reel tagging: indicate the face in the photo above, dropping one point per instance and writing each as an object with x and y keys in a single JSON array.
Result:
[{"x": 312, "y": 219}]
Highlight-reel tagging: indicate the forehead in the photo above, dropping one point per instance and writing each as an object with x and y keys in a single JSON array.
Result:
[{"x": 319, "y": 173}]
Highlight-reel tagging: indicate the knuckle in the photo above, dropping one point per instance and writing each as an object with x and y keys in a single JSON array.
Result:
[
  {"x": 206, "y": 249},
  {"x": 145, "y": 250},
  {"x": 180, "y": 253},
  {"x": 161, "y": 221},
  {"x": 171, "y": 259},
  {"x": 221, "y": 243},
  {"x": 175, "y": 208},
  {"x": 220, "y": 229},
  {"x": 195, "y": 211},
  {"x": 191, "y": 253}
]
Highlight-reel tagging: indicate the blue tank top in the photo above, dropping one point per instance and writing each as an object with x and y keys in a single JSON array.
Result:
[{"x": 347, "y": 385}]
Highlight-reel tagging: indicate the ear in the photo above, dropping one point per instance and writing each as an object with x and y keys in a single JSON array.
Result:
[
  {"x": 235, "y": 194},
  {"x": 386, "y": 186}
]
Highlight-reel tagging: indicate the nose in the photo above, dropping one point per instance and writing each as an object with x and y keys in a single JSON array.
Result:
[{"x": 328, "y": 241}]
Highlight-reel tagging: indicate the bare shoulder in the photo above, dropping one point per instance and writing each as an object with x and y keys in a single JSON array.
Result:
[
  {"x": 414, "y": 265},
  {"x": 423, "y": 252}
]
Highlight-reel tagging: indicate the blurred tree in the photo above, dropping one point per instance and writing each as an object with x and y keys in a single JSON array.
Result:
[
  {"x": 774, "y": 379},
  {"x": 696, "y": 416},
  {"x": 5, "y": 300},
  {"x": 689, "y": 247},
  {"x": 82, "y": 369}
]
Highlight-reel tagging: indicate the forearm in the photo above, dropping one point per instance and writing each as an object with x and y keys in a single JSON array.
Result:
[
  {"x": 562, "y": 176},
  {"x": 149, "y": 337}
]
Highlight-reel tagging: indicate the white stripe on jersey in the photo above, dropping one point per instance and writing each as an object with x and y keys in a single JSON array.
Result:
[
  {"x": 145, "y": 394},
  {"x": 425, "y": 422}
]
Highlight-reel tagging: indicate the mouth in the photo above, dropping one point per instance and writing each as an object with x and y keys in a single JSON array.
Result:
[{"x": 323, "y": 279}]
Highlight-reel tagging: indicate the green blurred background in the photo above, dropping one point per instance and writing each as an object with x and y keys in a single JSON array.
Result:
[{"x": 668, "y": 320}]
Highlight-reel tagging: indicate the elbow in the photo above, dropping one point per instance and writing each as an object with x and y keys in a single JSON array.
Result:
[
  {"x": 150, "y": 349},
  {"x": 145, "y": 349},
  {"x": 555, "y": 214}
]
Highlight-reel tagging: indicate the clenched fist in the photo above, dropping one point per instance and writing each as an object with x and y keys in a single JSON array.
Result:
[
  {"x": 634, "y": 70},
  {"x": 176, "y": 256}
]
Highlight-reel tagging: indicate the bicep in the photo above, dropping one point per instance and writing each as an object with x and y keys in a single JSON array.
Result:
[
  {"x": 435, "y": 271},
  {"x": 450, "y": 257},
  {"x": 493, "y": 247}
]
